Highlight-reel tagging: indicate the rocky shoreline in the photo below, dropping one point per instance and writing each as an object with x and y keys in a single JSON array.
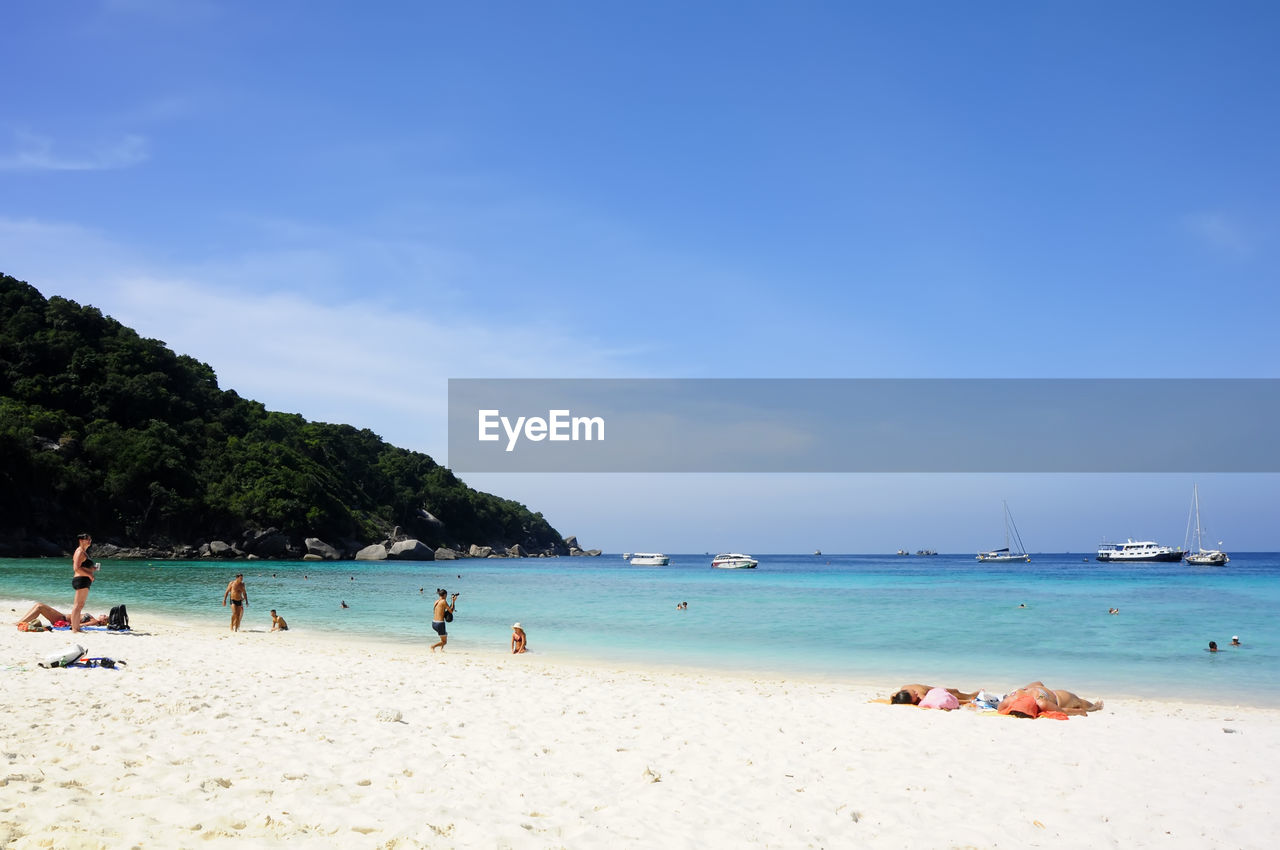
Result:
[{"x": 273, "y": 544}]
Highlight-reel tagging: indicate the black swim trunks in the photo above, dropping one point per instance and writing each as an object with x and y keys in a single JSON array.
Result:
[
  {"x": 438, "y": 625},
  {"x": 81, "y": 582},
  {"x": 237, "y": 602}
]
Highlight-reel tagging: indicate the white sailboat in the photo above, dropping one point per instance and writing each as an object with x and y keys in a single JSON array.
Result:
[
  {"x": 1007, "y": 553},
  {"x": 1202, "y": 557}
]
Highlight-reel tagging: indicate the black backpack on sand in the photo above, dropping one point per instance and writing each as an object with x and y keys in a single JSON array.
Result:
[{"x": 118, "y": 619}]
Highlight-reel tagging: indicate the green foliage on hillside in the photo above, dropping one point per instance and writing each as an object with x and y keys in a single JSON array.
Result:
[{"x": 104, "y": 430}]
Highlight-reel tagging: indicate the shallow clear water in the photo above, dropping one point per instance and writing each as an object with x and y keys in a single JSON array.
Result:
[{"x": 945, "y": 619}]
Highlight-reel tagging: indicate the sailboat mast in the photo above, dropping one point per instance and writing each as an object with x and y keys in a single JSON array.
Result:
[{"x": 1195, "y": 489}]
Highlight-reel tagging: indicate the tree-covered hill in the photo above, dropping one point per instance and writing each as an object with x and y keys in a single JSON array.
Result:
[{"x": 101, "y": 429}]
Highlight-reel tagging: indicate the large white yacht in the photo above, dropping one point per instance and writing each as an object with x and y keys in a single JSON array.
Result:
[
  {"x": 734, "y": 561},
  {"x": 649, "y": 559},
  {"x": 1138, "y": 550}
]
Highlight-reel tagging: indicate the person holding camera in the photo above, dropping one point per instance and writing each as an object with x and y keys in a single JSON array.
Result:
[{"x": 441, "y": 614}]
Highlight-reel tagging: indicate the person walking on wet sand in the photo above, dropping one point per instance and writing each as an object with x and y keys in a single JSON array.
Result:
[
  {"x": 441, "y": 613},
  {"x": 239, "y": 596},
  {"x": 83, "y": 571}
]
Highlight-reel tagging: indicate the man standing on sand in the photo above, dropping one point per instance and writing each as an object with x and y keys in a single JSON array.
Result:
[
  {"x": 439, "y": 611},
  {"x": 239, "y": 596},
  {"x": 82, "y": 572}
]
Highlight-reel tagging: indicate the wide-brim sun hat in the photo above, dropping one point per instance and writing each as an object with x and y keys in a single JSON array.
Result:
[{"x": 515, "y": 625}]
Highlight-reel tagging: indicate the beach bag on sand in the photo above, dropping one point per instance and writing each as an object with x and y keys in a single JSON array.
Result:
[
  {"x": 62, "y": 658},
  {"x": 118, "y": 619}
]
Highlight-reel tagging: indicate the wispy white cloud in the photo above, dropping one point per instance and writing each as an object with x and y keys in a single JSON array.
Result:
[
  {"x": 1219, "y": 232},
  {"x": 367, "y": 361},
  {"x": 32, "y": 152},
  {"x": 379, "y": 365}
]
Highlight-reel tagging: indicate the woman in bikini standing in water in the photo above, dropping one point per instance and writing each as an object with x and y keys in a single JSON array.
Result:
[{"x": 82, "y": 570}]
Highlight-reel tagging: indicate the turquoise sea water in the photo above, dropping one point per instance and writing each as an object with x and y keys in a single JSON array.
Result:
[{"x": 943, "y": 620}]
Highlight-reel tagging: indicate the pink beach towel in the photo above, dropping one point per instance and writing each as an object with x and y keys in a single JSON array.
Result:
[{"x": 939, "y": 698}]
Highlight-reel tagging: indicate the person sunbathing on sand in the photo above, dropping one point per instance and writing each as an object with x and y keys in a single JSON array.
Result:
[
  {"x": 1037, "y": 698},
  {"x": 53, "y": 615},
  {"x": 912, "y": 694}
]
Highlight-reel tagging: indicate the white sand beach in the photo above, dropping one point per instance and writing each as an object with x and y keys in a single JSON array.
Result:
[{"x": 258, "y": 739}]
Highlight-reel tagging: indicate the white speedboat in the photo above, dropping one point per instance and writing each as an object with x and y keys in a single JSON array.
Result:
[
  {"x": 1011, "y": 535},
  {"x": 1138, "y": 550},
  {"x": 734, "y": 561},
  {"x": 649, "y": 559},
  {"x": 1202, "y": 557}
]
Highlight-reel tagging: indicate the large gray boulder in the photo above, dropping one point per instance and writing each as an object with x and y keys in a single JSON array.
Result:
[
  {"x": 316, "y": 546},
  {"x": 443, "y": 554},
  {"x": 221, "y": 549},
  {"x": 480, "y": 551},
  {"x": 272, "y": 544},
  {"x": 411, "y": 550},
  {"x": 372, "y": 552},
  {"x": 516, "y": 551}
]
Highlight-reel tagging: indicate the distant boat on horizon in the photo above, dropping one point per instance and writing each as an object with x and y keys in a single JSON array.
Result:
[
  {"x": 1007, "y": 553},
  {"x": 649, "y": 559},
  {"x": 1202, "y": 557}
]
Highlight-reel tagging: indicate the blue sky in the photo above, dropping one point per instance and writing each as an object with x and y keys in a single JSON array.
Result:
[{"x": 340, "y": 206}]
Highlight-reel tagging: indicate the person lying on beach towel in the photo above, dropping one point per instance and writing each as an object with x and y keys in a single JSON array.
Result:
[
  {"x": 940, "y": 698},
  {"x": 54, "y": 616},
  {"x": 913, "y": 694},
  {"x": 1037, "y": 699}
]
